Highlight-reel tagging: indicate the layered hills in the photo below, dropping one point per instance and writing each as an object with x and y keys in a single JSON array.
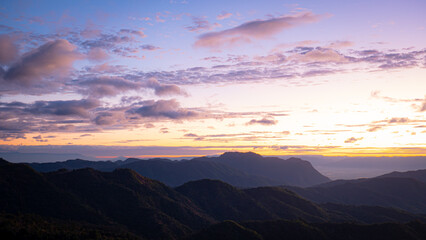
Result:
[
  {"x": 122, "y": 204},
  {"x": 238, "y": 169}
]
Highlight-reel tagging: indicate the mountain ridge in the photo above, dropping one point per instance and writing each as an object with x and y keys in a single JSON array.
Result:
[{"x": 239, "y": 169}]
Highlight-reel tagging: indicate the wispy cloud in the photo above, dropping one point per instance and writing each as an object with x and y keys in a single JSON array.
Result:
[
  {"x": 223, "y": 15},
  {"x": 168, "y": 109},
  {"x": 201, "y": 24},
  {"x": 352, "y": 140},
  {"x": 266, "y": 121},
  {"x": 254, "y": 30}
]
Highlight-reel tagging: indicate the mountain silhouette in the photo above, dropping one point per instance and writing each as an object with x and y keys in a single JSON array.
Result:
[
  {"x": 407, "y": 194},
  {"x": 122, "y": 204},
  {"x": 419, "y": 175},
  {"x": 293, "y": 171},
  {"x": 238, "y": 169}
]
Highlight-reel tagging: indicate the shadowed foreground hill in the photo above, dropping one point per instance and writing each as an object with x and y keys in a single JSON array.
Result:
[
  {"x": 25, "y": 227},
  {"x": 238, "y": 169},
  {"x": 64, "y": 201},
  {"x": 280, "y": 229},
  {"x": 404, "y": 193},
  {"x": 124, "y": 198}
]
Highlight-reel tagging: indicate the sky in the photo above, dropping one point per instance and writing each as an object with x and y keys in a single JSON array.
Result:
[{"x": 188, "y": 78}]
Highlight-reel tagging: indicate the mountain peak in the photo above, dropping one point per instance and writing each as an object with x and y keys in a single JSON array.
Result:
[{"x": 240, "y": 155}]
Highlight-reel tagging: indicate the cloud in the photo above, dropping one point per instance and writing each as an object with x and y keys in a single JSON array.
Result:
[
  {"x": 374, "y": 128},
  {"x": 258, "y": 29},
  {"x": 398, "y": 120},
  {"x": 223, "y": 15},
  {"x": 8, "y": 50},
  {"x": 340, "y": 44},
  {"x": 263, "y": 121},
  {"x": 53, "y": 58},
  {"x": 191, "y": 135},
  {"x": 118, "y": 42},
  {"x": 107, "y": 86},
  {"x": 149, "y": 47},
  {"x": 108, "y": 118},
  {"x": 320, "y": 55},
  {"x": 423, "y": 107},
  {"x": 167, "y": 109},
  {"x": 39, "y": 138},
  {"x": 352, "y": 140},
  {"x": 164, "y": 89},
  {"x": 63, "y": 108},
  {"x": 18, "y": 118},
  {"x": 132, "y": 32},
  {"x": 201, "y": 24},
  {"x": 97, "y": 54},
  {"x": 5, "y": 136},
  {"x": 158, "y": 18}
]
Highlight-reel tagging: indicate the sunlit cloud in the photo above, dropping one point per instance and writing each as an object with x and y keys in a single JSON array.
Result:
[
  {"x": 223, "y": 15},
  {"x": 8, "y": 50},
  {"x": 254, "y": 30},
  {"x": 264, "y": 121},
  {"x": 201, "y": 24},
  {"x": 352, "y": 140},
  {"x": 55, "y": 58}
]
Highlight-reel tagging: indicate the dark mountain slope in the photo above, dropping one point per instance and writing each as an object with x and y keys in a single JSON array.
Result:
[
  {"x": 139, "y": 203},
  {"x": 368, "y": 214},
  {"x": 286, "y": 204},
  {"x": 23, "y": 190},
  {"x": 223, "y": 201},
  {"x": 175, "y": 173},
  {"x": 419, "y": 175},
  {"x": 293, "y": 171},
  {"x": 24, "y": 227},
  {"x": 281, "y": 229},
  {"x": 227, "y": 230},
  {"x": 403, "y": 193}
]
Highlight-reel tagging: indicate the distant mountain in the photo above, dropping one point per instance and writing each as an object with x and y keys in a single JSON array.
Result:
[
  {"x": 63, "y": 201},
  {"x": 17, "y": 157},
  {"x": 404, "y": 193},
  {"x": 419, "y": 175},
  {"x": 293, "y": 171},
  {"x": 75, "y": 164},
  {"x": 175, "y": 173},
  {"x": 239, "y": 169}
]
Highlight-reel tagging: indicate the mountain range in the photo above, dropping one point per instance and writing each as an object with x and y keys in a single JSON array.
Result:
[
  {"x": 406, "y": 191},
  {"x": 238, "y": 169},
  {"x": 122, "y": 204}
]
